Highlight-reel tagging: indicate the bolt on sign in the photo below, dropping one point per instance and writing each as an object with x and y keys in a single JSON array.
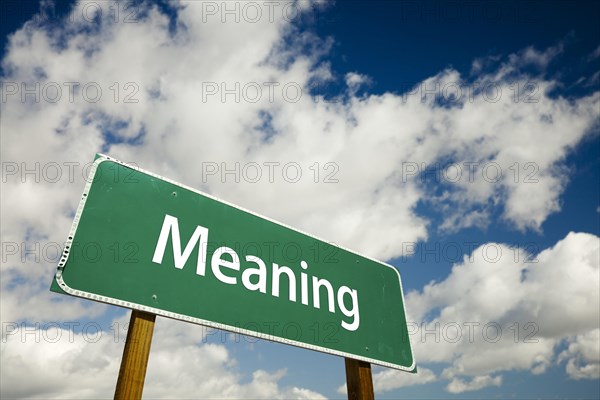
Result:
[{"x": 147, "y": 243}]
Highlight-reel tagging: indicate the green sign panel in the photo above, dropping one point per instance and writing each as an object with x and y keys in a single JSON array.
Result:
[{"x": 144, "y": 242}]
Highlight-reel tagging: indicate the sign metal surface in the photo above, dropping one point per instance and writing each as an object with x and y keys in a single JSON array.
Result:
[{"x": 144, "y": 242}]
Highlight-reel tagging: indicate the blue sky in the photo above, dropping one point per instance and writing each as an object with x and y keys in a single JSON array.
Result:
[{"x": 373, "y": 63}]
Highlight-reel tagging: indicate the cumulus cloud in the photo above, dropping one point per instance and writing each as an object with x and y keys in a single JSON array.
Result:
[
  {"x": 180, "y": 365},
  {"x": 477, "y": 383},
  {"x": 355, "y": 80},
  {"x": 390, "y": 379},
  {"x": 583, "y": 355},
  {"x": 183, "y": 101},
  {"x": 502, "y": 310},
  {"x": 206, "y": 102}
]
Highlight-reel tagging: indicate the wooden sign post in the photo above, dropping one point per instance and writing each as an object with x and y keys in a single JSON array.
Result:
[
  {"x": 132, "y": 373},
  {"x": 359, "y": 380}
]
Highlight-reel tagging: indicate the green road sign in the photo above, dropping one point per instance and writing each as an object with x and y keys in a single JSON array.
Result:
[{"x": 144, "y": 242}]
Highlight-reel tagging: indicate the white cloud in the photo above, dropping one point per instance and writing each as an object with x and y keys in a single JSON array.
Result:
[
  {"x": 172, "y": 74},
  {"x": 583, "y": 355},
  {"x": 354, "y": 81},
  {"x": 34, "y": 302},
  {"x": 595, "y": 53},
  {"x": 477, "y": 383},
  {"x": 362, "y": 193},
  {"x": 391, "y": 379},
  {"x": 387, "y": 380},
  {"x": 500, "y": 310},
  {"x": 530, "y": 55},
  {"x": 86, "y": 365}
]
